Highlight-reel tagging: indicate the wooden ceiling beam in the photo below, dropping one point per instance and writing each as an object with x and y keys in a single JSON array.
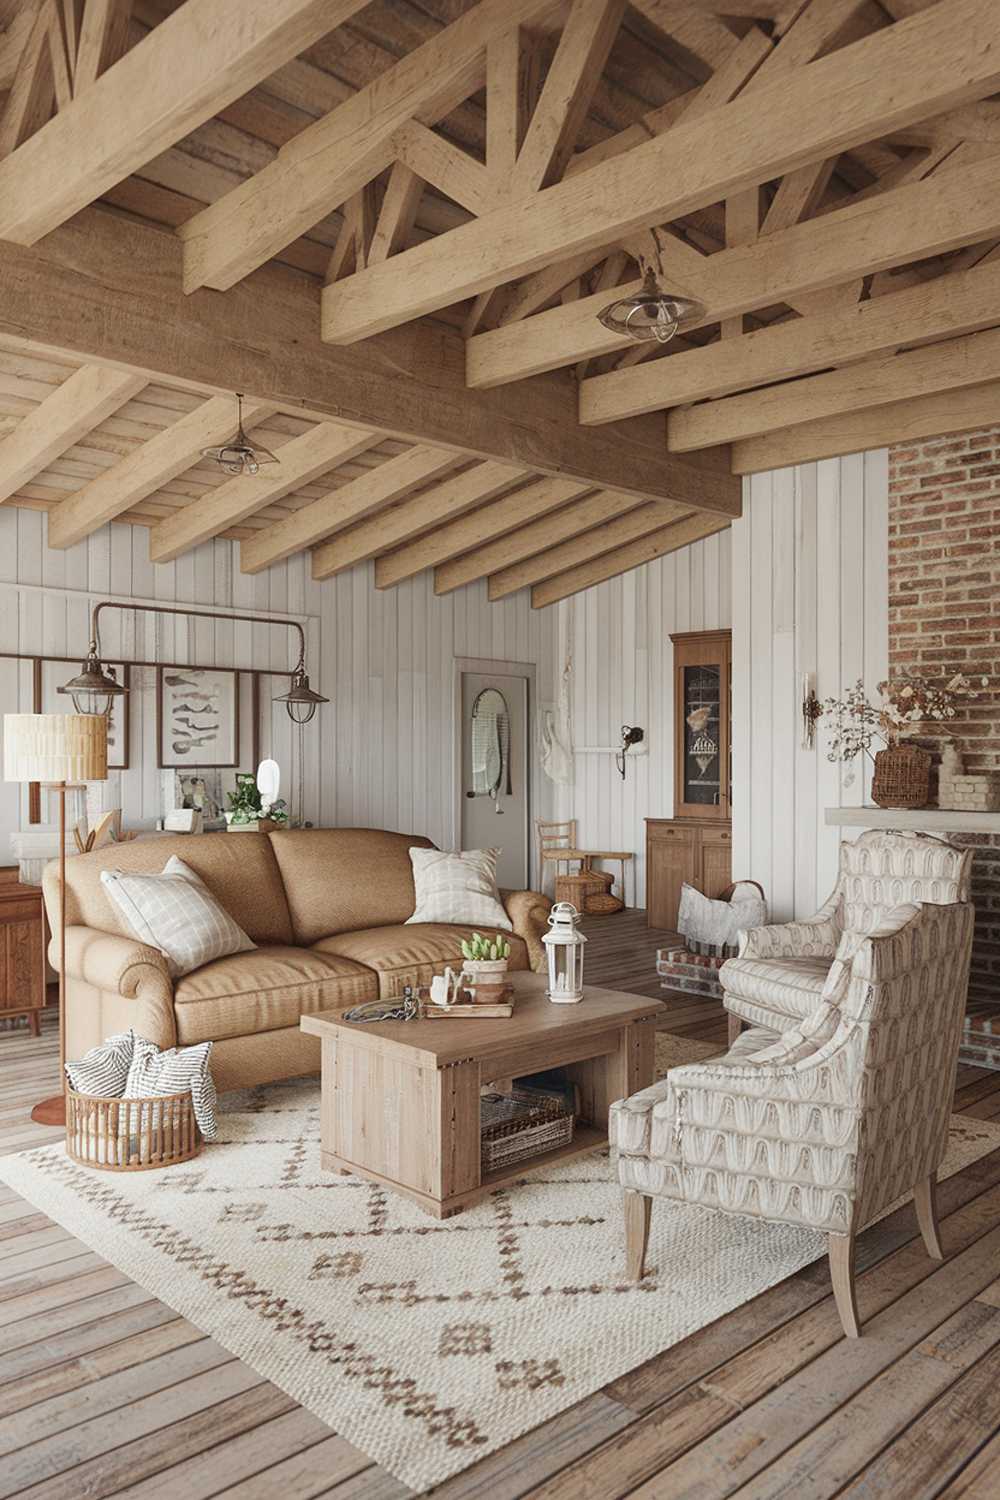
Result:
[
  {"x": 945, "y": 366},
  {"x": 547, "y": 531},
  {"x": 104, "y": 288},
  {"x": 582, "y": 546},
  {"x": 147, "y": 468},
  {"x": 943, "y": 57},
  {"x": 301, "y": 460},
  {"x": 962, "y": 302},
  {"x": 359, "y": 497},
  {"x": 81, "y": 403},
  {"x": 318, "y": 169},
  {"x": 412, "y": 517},
  {"x": 940, "y": 412},
  {"x": 448, "y": 168},
  {"x": 959, "y": 206},
  {"x": 103, "y": 39},
  {"x": 198, "y": 60},
  {"x": 476, "y": 529},
  {"x": 604, "y": 565}
]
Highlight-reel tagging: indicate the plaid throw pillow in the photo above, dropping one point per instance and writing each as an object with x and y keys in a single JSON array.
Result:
[
  {"x": 176, "y": 913},
  {"x": 458, "y": 887}
]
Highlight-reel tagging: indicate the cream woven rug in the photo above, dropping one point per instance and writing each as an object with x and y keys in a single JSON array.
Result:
[{"x": 426, "y": 1344}]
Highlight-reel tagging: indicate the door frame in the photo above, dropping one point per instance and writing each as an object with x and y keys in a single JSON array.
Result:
[{"x": 486, "y": 666}]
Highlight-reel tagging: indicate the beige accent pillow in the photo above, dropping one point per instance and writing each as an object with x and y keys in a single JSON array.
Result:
[
  {"x": 176, "y": 913},
  {"x": 458, "y": 887}
]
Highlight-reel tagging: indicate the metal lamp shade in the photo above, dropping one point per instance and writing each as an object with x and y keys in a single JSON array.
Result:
[
  {"x": 301, "y": 701},
  {"x": 650, "y": 314},
  {"x": 95, "y": 689},
  {"x": 55, "y": 747},
  {"x": 564, "y": 944}
]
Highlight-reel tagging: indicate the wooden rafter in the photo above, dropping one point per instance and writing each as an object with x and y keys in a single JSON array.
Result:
[
  {"x": 198, "y": 60},
  {"x": 41, "y": 81},
  {"x": 75, "y": 408},
  {"x": 146, "y": 468},
  {"x": 920, "y": 67},
  {"x": 604, "y": 565},
  {"x": 103, "y": 39},
  {"x": 359, "y": 497}
]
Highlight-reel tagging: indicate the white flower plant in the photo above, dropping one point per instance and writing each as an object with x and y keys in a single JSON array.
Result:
[{"x": 904, "y": 705}]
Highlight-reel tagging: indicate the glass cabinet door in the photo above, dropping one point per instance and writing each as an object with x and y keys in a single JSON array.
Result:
[{"x": 702, "y": 713}]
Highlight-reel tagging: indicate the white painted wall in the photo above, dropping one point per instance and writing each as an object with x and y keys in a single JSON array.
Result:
[
  {"x": 379, "y": 754},
  {"x": 619, "y": 636},
  {"x": 810, "y": 594}
]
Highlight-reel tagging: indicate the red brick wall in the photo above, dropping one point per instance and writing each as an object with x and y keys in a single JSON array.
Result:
[{"x": 944, "y": 616}]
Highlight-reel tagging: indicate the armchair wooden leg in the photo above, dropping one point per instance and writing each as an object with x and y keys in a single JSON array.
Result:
[
  {"x": 735, "y": 1027},
  {"x": 638, "y": 1208},
  {"x": 925, "y": 1202},
  {"x": 841, "y": 1251}
]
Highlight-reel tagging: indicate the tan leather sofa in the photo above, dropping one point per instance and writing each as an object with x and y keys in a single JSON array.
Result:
[{"x": 327, "y": 909}]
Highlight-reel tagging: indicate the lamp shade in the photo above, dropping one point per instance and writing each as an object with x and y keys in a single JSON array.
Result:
[{"x": 55, "y": 747}]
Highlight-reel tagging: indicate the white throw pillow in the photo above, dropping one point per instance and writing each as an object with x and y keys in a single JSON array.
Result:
[
  {"x": 458, "y": 887},
  {"x": 176, "y": 913},
  {"x": 173, "y": 1072}
]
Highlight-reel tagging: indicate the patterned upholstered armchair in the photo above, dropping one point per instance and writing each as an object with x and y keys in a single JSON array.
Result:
[
  {"x": 829, "y": 1122},
  {"x": 781, "y": 971}
]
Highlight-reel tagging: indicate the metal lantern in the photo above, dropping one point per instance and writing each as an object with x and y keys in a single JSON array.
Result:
[
  {"x": 96, "y": 688},
  {"x": 651, "y": 313},
  {"x": 240, "y": 456},
  {"x": 301, "y": 701},
  {"x": 564, "y": 944}
]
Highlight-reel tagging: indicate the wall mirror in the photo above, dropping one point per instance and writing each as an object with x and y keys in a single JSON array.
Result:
[{"x": 490, "y": 731}]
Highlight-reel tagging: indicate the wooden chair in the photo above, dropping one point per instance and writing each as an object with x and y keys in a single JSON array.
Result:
[{"x": 557, "y": 845}]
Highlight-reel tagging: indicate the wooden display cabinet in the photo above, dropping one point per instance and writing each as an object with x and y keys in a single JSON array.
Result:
[
  {"x": 694, "y": 847},
  {"x": 23, "y": 936}
]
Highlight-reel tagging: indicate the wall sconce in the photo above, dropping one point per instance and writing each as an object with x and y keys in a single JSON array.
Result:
[
  {"x": 811, "y": 711},
  {"x": 630, "y": 736},
  {"x": 94, "y": 690}
]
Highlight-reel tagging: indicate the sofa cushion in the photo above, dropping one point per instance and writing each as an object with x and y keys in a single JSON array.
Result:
[
  {"x": 264, "y": 990},
  {"x": 345, "y": 879},
  {"x": 791, "y": 986},
  {"x": 240, "y": 870},
  {"x": 412, "y": 954}
]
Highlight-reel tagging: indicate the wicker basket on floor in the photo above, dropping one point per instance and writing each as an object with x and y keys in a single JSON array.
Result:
[{"x": 131, "y": 1135}]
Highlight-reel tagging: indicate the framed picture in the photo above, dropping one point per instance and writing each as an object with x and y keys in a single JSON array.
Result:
[
  {"x": 56, "y": 672},
  {"x": 197, "y": 717}
]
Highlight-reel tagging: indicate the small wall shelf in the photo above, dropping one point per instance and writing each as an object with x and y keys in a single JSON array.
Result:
[{"x": 917, "y": 820}]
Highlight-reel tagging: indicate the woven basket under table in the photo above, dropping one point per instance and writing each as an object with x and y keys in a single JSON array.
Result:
[
  {"x": 131, "y": 1135},
  {"x": 517, "y": 1126}
]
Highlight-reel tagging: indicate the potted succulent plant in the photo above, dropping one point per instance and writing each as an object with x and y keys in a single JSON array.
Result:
[{"x": 485, "y": 966}]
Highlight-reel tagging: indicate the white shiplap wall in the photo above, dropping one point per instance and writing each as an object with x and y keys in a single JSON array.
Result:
[
  {"x": 810, "y": 595},
  {"x": 379, "y": 754},
  {"x": 619, "y": 637}
]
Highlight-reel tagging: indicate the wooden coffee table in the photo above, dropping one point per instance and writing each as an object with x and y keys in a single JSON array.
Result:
[{"x": 401, "y": 1098}]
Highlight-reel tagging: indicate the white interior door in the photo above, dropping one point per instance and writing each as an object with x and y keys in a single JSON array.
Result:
[{"x": 494, "y": 762}]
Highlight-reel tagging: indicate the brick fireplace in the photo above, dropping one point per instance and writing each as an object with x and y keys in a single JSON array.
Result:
[{"x": 944, "y": 615}]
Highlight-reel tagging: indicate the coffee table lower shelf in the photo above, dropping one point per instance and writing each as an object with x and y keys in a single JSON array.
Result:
[{"x": 585, "y": 1138}]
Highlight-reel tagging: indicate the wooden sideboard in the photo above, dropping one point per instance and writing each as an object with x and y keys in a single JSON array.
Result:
[
  {"x": 23, "y": 934},
  {"x": 680, "y": 850}
]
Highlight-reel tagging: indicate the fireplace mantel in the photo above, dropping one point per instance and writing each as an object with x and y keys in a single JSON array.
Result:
[{"x": 917, "y": 820}]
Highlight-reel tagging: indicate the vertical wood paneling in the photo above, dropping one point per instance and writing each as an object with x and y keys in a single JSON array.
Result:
[
  {"x": 810, "y": 595},
  {"x": 379, "y": 754}
]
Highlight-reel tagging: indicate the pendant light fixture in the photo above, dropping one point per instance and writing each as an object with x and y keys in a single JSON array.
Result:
[
  {"x": 651, "y": 313},
  {"x": 95, "y": 689},
  {"x": 239, "y": 456}
]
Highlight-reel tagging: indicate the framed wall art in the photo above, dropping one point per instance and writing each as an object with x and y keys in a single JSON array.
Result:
[{"x": 197, "y": 717}]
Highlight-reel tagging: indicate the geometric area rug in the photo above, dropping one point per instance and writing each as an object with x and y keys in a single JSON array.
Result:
[{"x": 426, "y": 1344}]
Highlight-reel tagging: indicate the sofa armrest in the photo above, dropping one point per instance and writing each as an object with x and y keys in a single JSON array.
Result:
[
  {"x": 529, "y": 915},
  {"x": 125, "y": 968}
]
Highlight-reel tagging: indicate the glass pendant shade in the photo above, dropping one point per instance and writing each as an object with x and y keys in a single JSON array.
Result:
[
  {"x": 301, "y": 702},
  {"x": 95, "y": 689},
  {"x": 650, "y": 314}
]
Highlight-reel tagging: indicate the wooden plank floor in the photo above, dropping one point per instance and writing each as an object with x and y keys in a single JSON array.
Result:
[{"x": 105, "y": 1391}]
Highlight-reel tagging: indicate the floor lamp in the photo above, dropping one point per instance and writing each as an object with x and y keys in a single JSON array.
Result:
[{"x": 59, "y": 750}]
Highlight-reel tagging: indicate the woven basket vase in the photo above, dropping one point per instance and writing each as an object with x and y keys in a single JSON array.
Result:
[
  {"x": 131, "y": 1135},
  {"x": 902, "y": 777}
]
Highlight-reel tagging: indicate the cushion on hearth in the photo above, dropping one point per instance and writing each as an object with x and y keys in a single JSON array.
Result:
[
  {"x": 264, "y": 990},
  {"x": 413, "y": 954},
  {"x": 790, "y": 986}
]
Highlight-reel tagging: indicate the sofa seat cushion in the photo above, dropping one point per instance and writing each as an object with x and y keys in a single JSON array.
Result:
[
  {"x": 412, "y": 953},
  {"x": 791, "y": 986},
  {"x": 264, "y": 990}
]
